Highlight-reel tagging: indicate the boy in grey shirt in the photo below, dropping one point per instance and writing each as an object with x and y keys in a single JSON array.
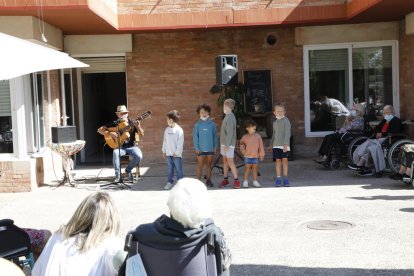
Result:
[
  {"x": 228, "y": 138},
  {"x": 280, "y": 144}
]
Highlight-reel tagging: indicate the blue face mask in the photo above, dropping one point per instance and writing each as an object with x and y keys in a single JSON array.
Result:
[{"x": 388, "y": 117}]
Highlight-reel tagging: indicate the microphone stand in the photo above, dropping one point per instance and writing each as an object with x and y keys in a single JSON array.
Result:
[{"x": 121, "y": 182}]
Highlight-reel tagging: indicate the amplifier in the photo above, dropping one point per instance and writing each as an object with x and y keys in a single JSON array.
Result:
[{"x": 64, "y": 134}]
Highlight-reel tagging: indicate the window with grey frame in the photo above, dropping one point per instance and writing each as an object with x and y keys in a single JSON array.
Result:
[
  {"x": 6, "y": 130},
  {"x": 38, "y": 115},
  {"x": 330, "y": 96},
  {"x": 328, "y": 88}
]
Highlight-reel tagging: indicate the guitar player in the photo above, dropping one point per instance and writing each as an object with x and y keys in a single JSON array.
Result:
[{"x": 127, "y": 141}]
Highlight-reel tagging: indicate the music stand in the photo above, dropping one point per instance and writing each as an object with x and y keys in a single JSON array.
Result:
[{"x": 117, "y": 185}]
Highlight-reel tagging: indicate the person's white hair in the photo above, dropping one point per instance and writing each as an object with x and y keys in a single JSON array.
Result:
[
  {"x": 389, "y": 108},
  {"x": 189, "y": 202}
]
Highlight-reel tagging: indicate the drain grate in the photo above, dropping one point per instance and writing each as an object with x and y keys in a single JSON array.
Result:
[{"x": 328, "y": 225}]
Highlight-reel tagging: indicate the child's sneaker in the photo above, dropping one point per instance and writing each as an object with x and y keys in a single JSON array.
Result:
[
  {"x": 256, "y": 184},
  {"x": 168, "y": 186},
  {"x": 209, "y": 183},
  {"x": 224, "y": 183},
  {"x": 236, "y": 184},
  {"x": 285, "y": 182},
  {"x": 246, "y": 184},
  {"x": 278, "y": 182}
]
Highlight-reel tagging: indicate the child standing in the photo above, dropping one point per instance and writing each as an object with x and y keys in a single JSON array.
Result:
[
  {"x": 172, "y": 147},
  {"x": 280, "y": 144},
  {"x": 205, "y": 142},
  {"x": 251, "y": 146},
  {"x": 228, "y": 138}
]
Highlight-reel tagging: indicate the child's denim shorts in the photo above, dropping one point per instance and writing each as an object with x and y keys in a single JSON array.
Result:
[
  {"x": 279, "y": 154},
  {"x": 251, "y": 161}
]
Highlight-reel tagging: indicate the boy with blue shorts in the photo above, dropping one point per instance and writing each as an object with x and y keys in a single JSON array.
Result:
[
  {"x": 251, "y": 146},
  {"x": 280, "y": 144}
]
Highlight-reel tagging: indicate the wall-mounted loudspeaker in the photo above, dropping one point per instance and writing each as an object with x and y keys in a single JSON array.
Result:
[{"x": 226, "y": 69}]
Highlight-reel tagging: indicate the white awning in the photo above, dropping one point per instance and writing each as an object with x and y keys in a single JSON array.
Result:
[{"x": 20, "y": 57}]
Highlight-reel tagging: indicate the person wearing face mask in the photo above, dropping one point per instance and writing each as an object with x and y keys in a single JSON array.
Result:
[
  {"x": 228, "y": 139},
  {"x": 172, "y": 147},
  {"x": 371, "y": 150},
  {"x": 280, "y": 144},
  {"x": 205, "y": 142},
  {"x": 129, "y": 146},
  {"x": 353, "y": 124}
]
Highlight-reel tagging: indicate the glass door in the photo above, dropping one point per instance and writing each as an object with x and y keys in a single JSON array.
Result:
[
  {"x": 372, "y": 75},
  {"x": 328, "y": 88}
]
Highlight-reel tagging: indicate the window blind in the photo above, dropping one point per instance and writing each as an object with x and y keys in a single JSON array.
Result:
[
  {"x": 328, "y": 60},
  {"x": 5, "y": 104}
]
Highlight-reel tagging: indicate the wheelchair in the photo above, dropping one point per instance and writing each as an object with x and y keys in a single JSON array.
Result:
[
  {"x": 391, "y": 147},
  {"x": 407, "y": 158},
  {"x": 340, "y": 151}
]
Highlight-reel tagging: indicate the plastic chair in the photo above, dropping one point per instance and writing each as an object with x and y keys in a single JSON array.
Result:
[{"x": 15, "y": 243}]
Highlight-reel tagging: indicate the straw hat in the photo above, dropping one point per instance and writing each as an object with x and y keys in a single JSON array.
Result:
[{"x": 121, "y": 109}]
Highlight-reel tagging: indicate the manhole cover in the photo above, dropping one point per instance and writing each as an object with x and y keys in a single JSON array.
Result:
[{"x": 328, "y": 225}]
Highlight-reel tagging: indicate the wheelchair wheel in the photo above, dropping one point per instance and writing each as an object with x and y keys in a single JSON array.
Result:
[
  {"x": 394, "y": 153},
  {"x": 335, "y": 164},
  {"x": 353, "y": 145}
]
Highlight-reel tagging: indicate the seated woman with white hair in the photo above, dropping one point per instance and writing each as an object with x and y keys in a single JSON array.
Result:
[
  {"x": 353, "y": 124},
  {"x": 370, "y": 154},
  {"x": 173, "y": 245}
]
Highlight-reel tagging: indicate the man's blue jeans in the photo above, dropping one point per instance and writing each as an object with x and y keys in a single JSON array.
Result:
[
  {"x": 134, "y": 152},
  {"x": 177, "y": 164}
]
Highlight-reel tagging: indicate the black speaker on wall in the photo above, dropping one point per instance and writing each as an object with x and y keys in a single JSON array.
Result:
[
  {"x": 63, "y": 134},
  {"x": 226, "y": 69}
]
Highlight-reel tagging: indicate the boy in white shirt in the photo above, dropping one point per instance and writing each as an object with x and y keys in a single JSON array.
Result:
[{"x": 172, "y": 147}]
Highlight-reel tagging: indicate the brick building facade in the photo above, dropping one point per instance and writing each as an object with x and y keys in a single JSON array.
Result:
[{"x": 168, "y": 50}]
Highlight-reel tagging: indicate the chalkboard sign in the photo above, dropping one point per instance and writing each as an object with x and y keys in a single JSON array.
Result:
[{"x": 258, "y": 91}]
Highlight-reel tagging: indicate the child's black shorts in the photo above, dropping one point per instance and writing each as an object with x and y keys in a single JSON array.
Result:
[{"x": 279, "y": 154}]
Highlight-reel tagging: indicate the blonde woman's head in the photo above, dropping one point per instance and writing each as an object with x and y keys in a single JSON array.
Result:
[{"x": 95, "y": 219}]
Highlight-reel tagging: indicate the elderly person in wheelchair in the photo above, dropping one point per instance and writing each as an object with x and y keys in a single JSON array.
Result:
[
  {"x": 405, "y": 173},
  {"x": 353, "y": 125},
  {"x": 370, "y": 153},
  {"x": 186, "y": 243}
]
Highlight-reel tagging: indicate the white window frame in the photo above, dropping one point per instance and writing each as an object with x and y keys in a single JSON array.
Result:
[
  {"x": 33, "y": 114},
  {"x": 18, "y": 90},
  {"x": 349, "y": 46}
]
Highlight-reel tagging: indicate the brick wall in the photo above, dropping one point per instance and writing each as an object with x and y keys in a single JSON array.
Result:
[
  {"x": 15, "y": 176},
  {"x": 406, "y": 59},
  {"x": 176, "y": 71}
]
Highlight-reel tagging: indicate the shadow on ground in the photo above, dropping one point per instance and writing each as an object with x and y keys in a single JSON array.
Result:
[
  {"x": 409, "y": 210},
  {"x": 273, "y": 270},
  {"x": 384, "y": 197}
]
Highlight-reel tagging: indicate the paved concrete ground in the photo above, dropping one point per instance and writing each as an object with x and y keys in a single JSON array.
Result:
[{"x": 266, "y": 228}]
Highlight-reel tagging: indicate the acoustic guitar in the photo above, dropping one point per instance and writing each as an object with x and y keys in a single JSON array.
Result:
[{"x": 124, "y": 128}]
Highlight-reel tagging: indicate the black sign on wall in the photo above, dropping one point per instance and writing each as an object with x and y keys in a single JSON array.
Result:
[{"x": 258, "y": 91}]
